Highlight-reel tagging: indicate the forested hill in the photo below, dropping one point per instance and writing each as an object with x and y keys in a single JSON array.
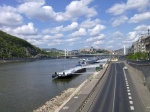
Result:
[{"x": 14, "y": 47}]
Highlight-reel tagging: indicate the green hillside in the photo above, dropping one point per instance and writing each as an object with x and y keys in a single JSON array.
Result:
[{"x": 14, "y": 47}]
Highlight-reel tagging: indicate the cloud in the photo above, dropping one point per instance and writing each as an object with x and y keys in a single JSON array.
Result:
[
  {"x": 117, "y": 35},
  {"x": 56, "y": 36},
  {"x": 26, "y": 30},
  {"x": 117, "y": 9},
  {"x": 96, "y": 30},
  {"x": 100, "y": 37},
  {"x": 9, "y": 16},
  {"x": 55, "y": 30},
  {"x": 142, "y": 27},
  {"x": 59, "y": 29},
  {"x": 80, "y": 32},
  {"x": 89, "y": 23},
  {"x": 111, "y": 41},
  {"x": 120, "y": 8},
  {"x": 119, "y": 20},
  {"x": 98, "y": 42},
  {"x": 39, "y": 11},
  {"x": 46, "y": 13},
  {"x": 72, "y": 39},
  {"x": 72, "y": 26},
  {"x": 79, "y": 8},
  {"x": 140, "y": 17}
]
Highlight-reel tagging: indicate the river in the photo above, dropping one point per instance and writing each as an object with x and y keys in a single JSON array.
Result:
[{"x": 25, "y": 86}]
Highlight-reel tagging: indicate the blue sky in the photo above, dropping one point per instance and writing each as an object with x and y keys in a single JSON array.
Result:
[{"x": 76, "y": 24}]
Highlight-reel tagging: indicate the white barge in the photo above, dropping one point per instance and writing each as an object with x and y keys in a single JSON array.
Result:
[{"x": 69, "y": 73}]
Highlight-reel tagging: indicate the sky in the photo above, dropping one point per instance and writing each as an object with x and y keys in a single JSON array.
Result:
[{"x": 76, "y": 24}]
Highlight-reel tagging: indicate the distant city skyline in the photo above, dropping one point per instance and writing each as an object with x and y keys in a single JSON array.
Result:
[{"x": 76, "y": 24}]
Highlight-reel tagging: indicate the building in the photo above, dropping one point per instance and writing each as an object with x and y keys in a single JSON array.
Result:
[
  {"x": 147, "y": 43},
  {"x": 141, "y": 45},
  {"x": 131, "y": 50}
]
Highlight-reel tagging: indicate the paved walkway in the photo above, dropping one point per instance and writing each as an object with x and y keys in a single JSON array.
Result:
[
  {"x": 75, "y": 103},
  {"x": 141, "y": 89}
]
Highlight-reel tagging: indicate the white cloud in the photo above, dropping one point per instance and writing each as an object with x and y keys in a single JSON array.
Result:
[
  {"x": 79, "y": 8},
  {"x": 9, "y": 16},
  {"x": 72, "y": 26},
  {"x": 96, "y": 30},
  {"x": 46, "y": 13},
  {"x": 117, "y": 9},
  {"x": 39, "y": 10},
  {"x": 53, "y": 30},
  {"x": 117, "y": 35},
  {"x": 142, "y": 28},
  {"x": 111, "y": 41},
  {"x": 26, "y": 30},
  {"x": 35, "y": 42},
  {"x": 89, "y": 23},
  {"x": 80, "y": 32},
  {"x": 139, "y": 5},
  {"x": 56, "y": 36},
  {"x": 72, "y": 39},
  {"x": 119, "y": 20},
  {"x": 140, "y": 17},
  {"x": 59, "y": 29},
  {"x": 55, "y": 42},
  {"x": 100, "y": 37},
  {"x": 98, "y": 42}
]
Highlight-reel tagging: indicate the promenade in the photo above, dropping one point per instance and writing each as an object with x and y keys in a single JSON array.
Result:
[{"x": 112, "y": 89}]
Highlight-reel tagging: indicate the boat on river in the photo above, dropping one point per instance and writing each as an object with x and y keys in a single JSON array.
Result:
[{"x": 69, "y": 73}]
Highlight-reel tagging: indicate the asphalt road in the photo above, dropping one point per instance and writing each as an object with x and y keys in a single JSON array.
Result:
[{"x": 117, "y": 94}]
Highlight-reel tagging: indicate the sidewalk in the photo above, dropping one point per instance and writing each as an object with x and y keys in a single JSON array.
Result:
[
  {"x": 80, "y": 97},
  {"x": 142, "y": 90}
]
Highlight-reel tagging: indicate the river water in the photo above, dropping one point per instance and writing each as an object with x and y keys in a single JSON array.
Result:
[{"x": 25, "y": 86}]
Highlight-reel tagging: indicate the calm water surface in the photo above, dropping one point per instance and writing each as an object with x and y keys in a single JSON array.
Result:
[{"x": 28, "y": 85}]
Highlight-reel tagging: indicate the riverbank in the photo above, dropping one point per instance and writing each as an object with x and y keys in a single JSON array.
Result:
[{"x": 57, "y": 103}]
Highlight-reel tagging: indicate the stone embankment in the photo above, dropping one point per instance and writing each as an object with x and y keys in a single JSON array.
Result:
[{"x": 54, "y": 103}]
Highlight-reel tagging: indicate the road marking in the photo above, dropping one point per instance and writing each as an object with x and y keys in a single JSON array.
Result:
[
  {"x": 132, "y": 107},
  {"x": 128, "y": 89},
  {"x": 65, "y": 108},
  {"x": 114, "y": 90},
  {"x": 130, "y": 97},
  {"x": 131, "y": 102},
  {"x": 75, "y": 97},
  {"x": 129, "y": 93}
]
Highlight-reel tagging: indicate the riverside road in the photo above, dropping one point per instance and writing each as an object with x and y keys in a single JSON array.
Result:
[{"x": 116, "y": 94}]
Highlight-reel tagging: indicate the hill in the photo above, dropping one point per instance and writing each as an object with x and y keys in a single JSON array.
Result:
[{"x": 14, "y": 47}]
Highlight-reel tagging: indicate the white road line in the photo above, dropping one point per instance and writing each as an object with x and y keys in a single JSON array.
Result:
[
  {"x": 128, "y": 89},
  {"x": 130, "y": 97},
  {"x": 132, "y": 107},
  {"x": 75, "y": 97},
  {"x": 114, "y": 90},
  {"x": 131, "y": 102},
  {"x": 129, "y": 93}
]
